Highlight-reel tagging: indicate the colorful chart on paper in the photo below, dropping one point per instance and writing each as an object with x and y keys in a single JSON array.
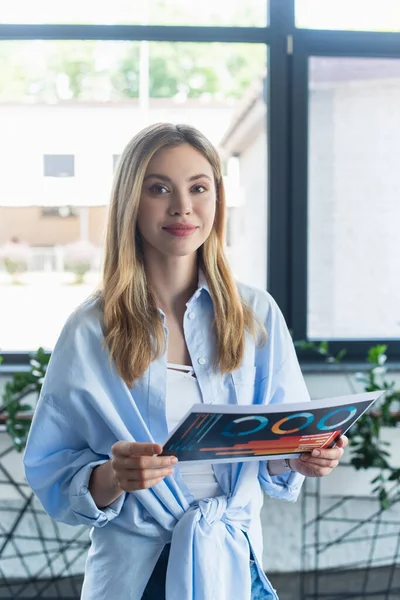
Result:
[{"x": 210, "y": 433}]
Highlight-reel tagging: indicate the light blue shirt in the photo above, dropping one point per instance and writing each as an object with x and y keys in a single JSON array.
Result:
[{"x": 85, "y": 407}]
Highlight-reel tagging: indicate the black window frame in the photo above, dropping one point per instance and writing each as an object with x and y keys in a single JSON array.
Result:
[
  {"x": 307, "y": 44},
  {"x": 288, "y": 51}
]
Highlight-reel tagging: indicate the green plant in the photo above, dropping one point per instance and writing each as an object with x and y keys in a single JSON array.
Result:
[
  {"x": 15, "y": 396},
  {"x": 368, "y": 448}
]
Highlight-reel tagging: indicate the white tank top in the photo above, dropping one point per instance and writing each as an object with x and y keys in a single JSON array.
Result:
[{"x": 182, "y": 392}]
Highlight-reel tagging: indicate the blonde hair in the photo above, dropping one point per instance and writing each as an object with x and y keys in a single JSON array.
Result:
[{"x": 134, "y": 332}]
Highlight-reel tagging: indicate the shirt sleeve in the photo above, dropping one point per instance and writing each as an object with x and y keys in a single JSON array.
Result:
[
  {"x": 283, "y": 382},
  {"x": 285, "y": 487},
  {"x": 58, "y": 465}
]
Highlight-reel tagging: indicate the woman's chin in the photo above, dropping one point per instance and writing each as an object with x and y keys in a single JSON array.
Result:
[{"x": 180, "y": 250}]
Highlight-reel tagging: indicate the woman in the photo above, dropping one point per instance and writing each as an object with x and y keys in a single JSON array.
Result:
[{"x": 170, "y": 328}]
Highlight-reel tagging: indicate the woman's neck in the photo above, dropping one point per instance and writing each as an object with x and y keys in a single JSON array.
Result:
[{"x": 173, "y": 282}]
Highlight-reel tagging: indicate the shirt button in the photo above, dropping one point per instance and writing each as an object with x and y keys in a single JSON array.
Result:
[
  {"x": 191, "y": 315},
  {"x": 202, "y": 360}
]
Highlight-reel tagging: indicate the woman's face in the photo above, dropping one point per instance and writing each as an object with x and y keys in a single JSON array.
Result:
[{"x": 178, "y": 202}]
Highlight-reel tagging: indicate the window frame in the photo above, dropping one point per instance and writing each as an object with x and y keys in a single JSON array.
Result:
[
  {"x": 287, "y": 124},
  {"x": 307, "y": 44},
  {"x": 17, "y": 361}
]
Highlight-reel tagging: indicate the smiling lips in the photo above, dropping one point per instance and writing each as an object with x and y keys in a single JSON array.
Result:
[{"x": 180, "y": 229}]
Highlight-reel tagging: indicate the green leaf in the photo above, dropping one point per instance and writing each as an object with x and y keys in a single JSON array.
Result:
[
  {"x": 377, "y": 478},
  {"x": 304, "y": 345},
  {"x": 395, "y": 475},
  {"x": 323, "y": 347},
  {"x": 375, "y": 352},
  {"x": 16, "y": 390},
  {"x": 341, "y": 354},
  {"x": 384, "y": 499}
]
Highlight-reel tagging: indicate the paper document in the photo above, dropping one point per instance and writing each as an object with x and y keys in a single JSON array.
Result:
[{"x": 236, "y": 433}]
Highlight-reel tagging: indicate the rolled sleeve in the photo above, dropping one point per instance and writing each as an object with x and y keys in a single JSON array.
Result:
[
  {"x": 82, "y": 504},
  {"x": 285, "y": 487},
  {"x": 58, "y": 465}
]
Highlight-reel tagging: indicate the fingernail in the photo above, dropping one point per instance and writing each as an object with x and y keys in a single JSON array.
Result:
[
  {"x": 316, "y": 452},
  {"x": 305, "y": 457},
  {"x": 174, "y": 460}
]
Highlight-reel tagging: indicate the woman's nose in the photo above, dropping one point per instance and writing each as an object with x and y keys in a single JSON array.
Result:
[{"x": 180, "y": 204}]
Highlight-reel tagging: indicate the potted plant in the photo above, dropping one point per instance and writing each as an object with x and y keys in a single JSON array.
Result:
[
  {"x": 370, "y": 447},
  {"x": 20, "y": 397}
]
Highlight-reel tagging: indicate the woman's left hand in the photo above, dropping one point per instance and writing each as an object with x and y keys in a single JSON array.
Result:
[{"x": 320, "y": 462}]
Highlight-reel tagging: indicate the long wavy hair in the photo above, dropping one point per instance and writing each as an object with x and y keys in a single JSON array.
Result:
[{"x": 134, "y": 332}]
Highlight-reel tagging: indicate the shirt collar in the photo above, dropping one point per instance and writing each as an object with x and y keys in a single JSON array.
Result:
[
  {"x": 201, "y": 285},
  {"x": 202, "y": 282}
]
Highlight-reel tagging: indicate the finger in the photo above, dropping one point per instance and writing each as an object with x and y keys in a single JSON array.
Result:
[
  {"x": 143, "y": 476},
  {"x": 320, "y": 472},
  {"x": 134, "y": 486},
  {"x": 145, "y": 449},
  {"x": 322, "y": 463},
  {"x": 342, "y": 442},
  {"x": 142, "y": 462},
  {"x": 327, "y": 453},
  {"x": 145, "y": 462},
  {"x": 135, "y": 449}
]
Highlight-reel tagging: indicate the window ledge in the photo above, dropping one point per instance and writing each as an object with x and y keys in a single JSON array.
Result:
[
  {"x": 344, "y": 367},
  {"x": 12, "y": 369},
  {"x": 306, "y": 367}
]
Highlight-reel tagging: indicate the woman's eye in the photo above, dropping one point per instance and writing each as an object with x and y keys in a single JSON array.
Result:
[
  {"x": 157, "y": 188},
  {"x": 199, "y": 189}
]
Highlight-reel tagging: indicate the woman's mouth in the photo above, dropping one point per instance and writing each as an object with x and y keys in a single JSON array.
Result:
[{"x": 180, "y": 230}]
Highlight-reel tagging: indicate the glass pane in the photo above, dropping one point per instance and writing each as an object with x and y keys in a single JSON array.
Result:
[
  {"x": 137, "y": 12},
  {"x": 67, "y": 109},
  {"x": 354, "y": 208},
  {"x": 356, "y": 15}
]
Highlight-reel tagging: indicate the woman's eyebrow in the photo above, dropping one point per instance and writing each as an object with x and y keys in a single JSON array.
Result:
[
  {"x": 169, "y": 180},
  {"x": 199, "y": 176},
  {"x": 158, "y": 176}
]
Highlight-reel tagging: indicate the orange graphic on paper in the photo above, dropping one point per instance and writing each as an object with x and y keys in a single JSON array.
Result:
[{"x": 283, "y": 445}]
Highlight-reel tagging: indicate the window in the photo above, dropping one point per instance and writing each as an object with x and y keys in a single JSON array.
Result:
[
  {"x": 353, "y": 198},
  {"x": 65, "y": 96},
  {"x": 328, "y": 169},
  {"x": 59, "y": 165},
  {"x": 361, "y": 15},
  {"x": 137, "y": 12},
  {"x": 246, "y": 185}
]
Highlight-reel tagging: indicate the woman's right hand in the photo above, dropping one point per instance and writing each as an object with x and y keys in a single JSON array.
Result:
[{"x": 135, "y": 466}]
